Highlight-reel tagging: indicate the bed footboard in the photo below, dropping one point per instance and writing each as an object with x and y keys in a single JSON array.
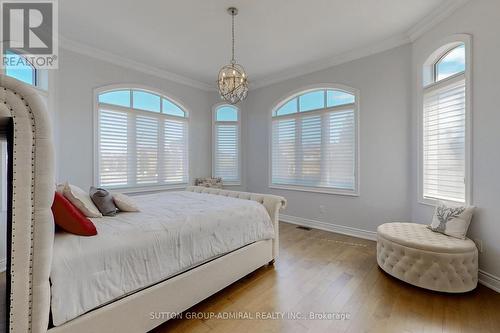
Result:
[{"x": 272, "y": 203}]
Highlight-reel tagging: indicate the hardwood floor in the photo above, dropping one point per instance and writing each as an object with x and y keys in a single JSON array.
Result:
[{"x": 328, "y": 274}]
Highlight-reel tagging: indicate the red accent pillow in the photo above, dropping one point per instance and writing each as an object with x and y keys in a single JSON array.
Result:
[{"x": 69, "y": 218}]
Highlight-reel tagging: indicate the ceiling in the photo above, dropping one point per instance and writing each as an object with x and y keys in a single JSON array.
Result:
[{"x": 192, "y": 38}]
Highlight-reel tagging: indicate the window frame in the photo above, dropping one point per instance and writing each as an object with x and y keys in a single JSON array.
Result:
[
  {"x": 428, "y": 82},
  {"x": 95, "y": 154},
  {"x": 214, "y": 137},
  {"x": 282, "y": 101}
]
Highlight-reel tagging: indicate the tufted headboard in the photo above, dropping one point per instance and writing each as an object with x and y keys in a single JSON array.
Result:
[
  {"x": 272, "y": 203},
  {"x": 32, "y": 228}
]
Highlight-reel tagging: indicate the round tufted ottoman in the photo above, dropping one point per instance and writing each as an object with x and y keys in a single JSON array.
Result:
[{"x": 413, "y": 253}]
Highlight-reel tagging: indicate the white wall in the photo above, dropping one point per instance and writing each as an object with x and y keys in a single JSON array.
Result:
[
  {"x": 78, "y": 76},
  {"x": 481, "y": 19},
  {"x": 384, "y": 83}
]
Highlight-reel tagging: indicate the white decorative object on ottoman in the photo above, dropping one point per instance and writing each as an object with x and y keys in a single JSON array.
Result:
[{"x": 413, "y": 253}]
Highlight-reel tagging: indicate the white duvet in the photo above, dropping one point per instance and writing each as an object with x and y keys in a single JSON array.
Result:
[{"x": 173, "y": 232}]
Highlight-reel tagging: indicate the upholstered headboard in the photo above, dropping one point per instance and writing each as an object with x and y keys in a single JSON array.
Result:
[{"x": 32, "y": 226}]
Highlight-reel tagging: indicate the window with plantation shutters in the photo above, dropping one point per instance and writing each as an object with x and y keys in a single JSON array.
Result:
[
  {"x": 314, "y": 142},
  {"x": 444, "y": 130},
  {"x": 226, "y": 144},
  {"x": 142, "y": 140}
]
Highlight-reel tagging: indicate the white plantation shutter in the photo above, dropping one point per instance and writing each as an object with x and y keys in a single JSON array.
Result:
[
  {"x": 341, "y": 150},
  {"x": 226, "y": 164},
  {"x": 175, "y": 154},
  {"x": 138, "y": 148},
  {"x": 315, "y": 149},
  {"x": 444, "y": 141},
  {"x": 146, "y": 142},
  {"x": 113, "y": 148},
  {"x": 284, "y": 160},
  {"x": 309, "y": 168}
]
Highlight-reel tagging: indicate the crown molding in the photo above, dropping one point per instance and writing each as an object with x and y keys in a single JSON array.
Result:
[
  {"x": 115, "y": 59},
  {"x": 338, "y": 59},
  {"x": 437, "y": 16}
]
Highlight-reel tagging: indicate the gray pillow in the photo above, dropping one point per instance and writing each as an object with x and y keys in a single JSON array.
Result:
[{"x": 103, "y": 201}]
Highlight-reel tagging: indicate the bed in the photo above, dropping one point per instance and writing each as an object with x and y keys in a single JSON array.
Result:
[
  {"x": 38, "y": 259},
  {"x": 174, "y": 231}
]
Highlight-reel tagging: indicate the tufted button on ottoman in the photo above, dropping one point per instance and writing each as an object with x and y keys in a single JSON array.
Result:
[{"x": 413, "y": 253}]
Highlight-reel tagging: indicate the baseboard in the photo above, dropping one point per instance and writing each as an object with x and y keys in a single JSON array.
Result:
[
  {"x": 340, "y": 229},
  {"x": 489, "y": 280},
  {"x": 3, "y": 265}
]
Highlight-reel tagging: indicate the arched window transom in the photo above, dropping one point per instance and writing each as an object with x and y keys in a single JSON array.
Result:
[
  {"x": 142, "y": 100},
  {"x": 451, "y": 63},
  {"x": 315, "y": 100}
]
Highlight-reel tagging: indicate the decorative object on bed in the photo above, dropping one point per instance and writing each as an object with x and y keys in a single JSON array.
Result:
[
  {"x": 452, "y": 220},
  {"x": 80, "y": 199},
  {"x": 413, "y": 253},
  {"x": 214, "y": 182},
  {"x": 232, "y": 81},
  {"x": 70, "y": 218},
  {"x": 103, "y": 200},
  {"x": 124, "y": 203}
]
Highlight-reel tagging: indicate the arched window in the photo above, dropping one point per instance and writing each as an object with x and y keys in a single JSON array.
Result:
[
  {"x": 314, "y": 141},
  {"x": 444, "y": 122},
  {"x": 451, "y": 63},
  {"x": 226, "y": 144},
  {"x": 20, "y": 68},
  {"x": 142, "y": 140}
]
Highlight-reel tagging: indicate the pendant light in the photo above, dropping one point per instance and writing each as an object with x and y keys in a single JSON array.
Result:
[{"x": 233, "y": 81}]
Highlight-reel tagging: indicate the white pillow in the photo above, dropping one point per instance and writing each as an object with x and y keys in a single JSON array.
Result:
[
  {"x": 81, "y": 200},
  {"x": 451, "y": 219},
  {"x": 125, "y": 203}
]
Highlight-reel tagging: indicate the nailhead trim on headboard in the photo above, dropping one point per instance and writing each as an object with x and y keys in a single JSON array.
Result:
[
  {"x": 31, "y": 227},
  {"x": 32, "y": 193}
]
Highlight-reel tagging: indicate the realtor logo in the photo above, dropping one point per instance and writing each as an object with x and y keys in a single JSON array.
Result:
[{"x": 29, "y": 29}]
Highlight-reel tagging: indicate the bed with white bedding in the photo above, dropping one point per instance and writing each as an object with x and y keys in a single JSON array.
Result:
[
  {"x": 36, "y": 261},
  {"x": 173, "y": 232}
]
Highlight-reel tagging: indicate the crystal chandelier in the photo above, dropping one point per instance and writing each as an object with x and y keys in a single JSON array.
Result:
[{"x": 232, "y": 81}]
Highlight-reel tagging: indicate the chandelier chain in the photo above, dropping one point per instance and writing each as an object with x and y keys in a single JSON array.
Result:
[{"x": 232, "y": 26}]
